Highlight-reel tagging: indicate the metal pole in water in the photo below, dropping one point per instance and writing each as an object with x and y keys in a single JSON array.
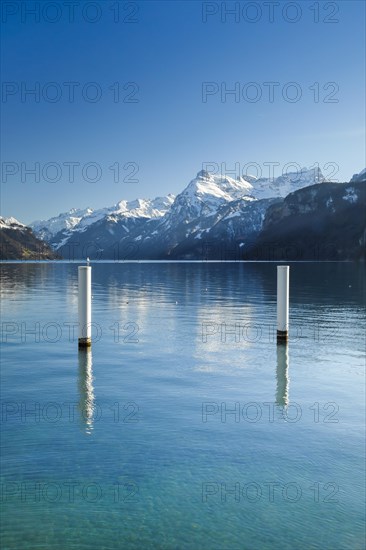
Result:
[
  {"x": 283, "y": 291},
  {"x": 84, "y": 305}
]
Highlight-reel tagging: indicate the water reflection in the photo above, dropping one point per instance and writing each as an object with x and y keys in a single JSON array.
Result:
[
  {"x": 282, "y": 375},
  {"x": 86, "y": 389}
]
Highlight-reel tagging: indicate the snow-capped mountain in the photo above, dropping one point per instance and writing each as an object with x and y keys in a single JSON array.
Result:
[
  {"x": 46, "y": 229},
  {"x": 361, "y": 177},
  {"x": 212, "y": 201},
  {"x": 58, "y": 229},
  {"x": 265, "y": 188},
  {"x": 213, "y": 213},
  {"x": 203, "y": 196},
  {"x": 17, "y": 242},
  {"x": 206, "y": 193},
  {"x": 320, "y": 222},
  {"x": 142, "y": 208},
  {"x": 11, "y": 223},
  {"x": 209, "y": 204}
]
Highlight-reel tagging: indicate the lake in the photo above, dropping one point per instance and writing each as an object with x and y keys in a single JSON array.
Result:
[{"x": 185, "y": 426}]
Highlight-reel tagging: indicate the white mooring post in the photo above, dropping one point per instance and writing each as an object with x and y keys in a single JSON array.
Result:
[
  {"x": 84, "y": 303},
  {"x": 283, "y": 288}
]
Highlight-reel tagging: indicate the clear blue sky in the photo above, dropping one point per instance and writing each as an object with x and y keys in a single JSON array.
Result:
[{"x": 169, "y": 51}]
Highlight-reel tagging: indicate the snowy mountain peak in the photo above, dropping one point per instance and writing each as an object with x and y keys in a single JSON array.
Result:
[
  {"x": 46, "y": 229},
  {"x": 202, "y": 174},
  {"x": 143, "y": 208},
  {"x": 79, "y": 219},
  {"x": 203, "y": 197},
  {"x": 263, "y": 187},
  {"x": 219, "y": 185},
  {"x": 77, "y": 212},
  {"x": 359, "y": 177},
  {"x": 287, "y": 183},
  {"x": 10, "y": 223}
]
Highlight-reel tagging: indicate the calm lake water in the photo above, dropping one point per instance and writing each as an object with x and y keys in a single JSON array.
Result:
[{"x": 186, "y": 426}]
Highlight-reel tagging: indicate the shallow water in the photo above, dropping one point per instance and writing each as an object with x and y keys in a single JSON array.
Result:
[{"x": 186, "y": 426}]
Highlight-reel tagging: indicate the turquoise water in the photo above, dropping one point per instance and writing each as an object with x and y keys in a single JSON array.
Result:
[{"x": 133, "y": 445}]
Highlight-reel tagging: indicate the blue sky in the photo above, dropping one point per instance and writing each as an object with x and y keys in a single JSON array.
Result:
[{"x": 161, "y": 54}]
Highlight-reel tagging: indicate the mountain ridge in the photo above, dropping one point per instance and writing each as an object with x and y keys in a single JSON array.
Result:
[
  {"x": 214, "y": 215},
  {"x": 202, "y": 197},
  {"x": 18, "y": 242}
]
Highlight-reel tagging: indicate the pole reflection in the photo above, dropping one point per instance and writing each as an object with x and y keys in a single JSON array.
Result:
[
  {"x": 282, "y": 375},
  {"x": 86, "y": 389}
]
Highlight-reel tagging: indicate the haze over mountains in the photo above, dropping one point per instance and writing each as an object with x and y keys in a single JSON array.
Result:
[{"x": 217, "y": 217}]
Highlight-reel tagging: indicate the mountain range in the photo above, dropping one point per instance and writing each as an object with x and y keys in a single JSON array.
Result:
[
  {"x": 218, "y": 217},
  {"x": 18, "y": 242}
]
